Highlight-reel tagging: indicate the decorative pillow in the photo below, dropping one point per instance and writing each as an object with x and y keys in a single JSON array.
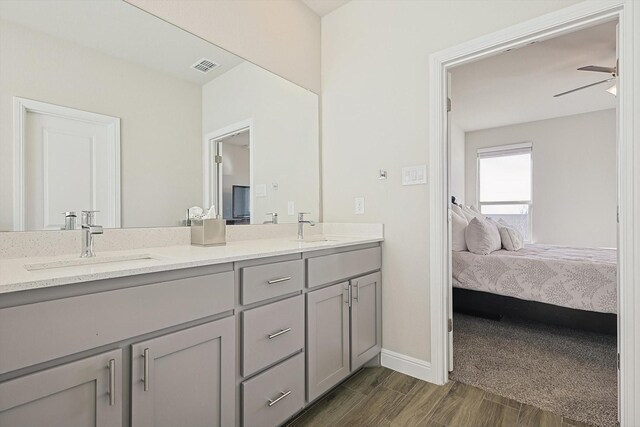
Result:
[
  {"x": 473, "y": 208},
  {"x": 482, "y": 236},
  {"x": 511, "y": 238},
  {"x": 458, "y": 225},
  {"x": 469, "y": 214},
  {"x": 504, "y": 223},
  {"x": 455, "y": 208}
]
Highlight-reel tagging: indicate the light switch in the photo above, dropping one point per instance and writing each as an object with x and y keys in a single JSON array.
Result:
[
  {"x": 414, "y": 175},
  {"x": 291, "y": 208},
  {"x": 261, "y": 190},
  {"x": 359, "y": 205}
]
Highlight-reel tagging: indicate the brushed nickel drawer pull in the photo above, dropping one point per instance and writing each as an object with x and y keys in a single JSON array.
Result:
[
  {"x": 112, "y": 382},
  {"x": 277, "y": 334},
  {"x": 145, "y": 378},
  {"x": 283, "y": 395},
  {"x": 282, "y": 279}
]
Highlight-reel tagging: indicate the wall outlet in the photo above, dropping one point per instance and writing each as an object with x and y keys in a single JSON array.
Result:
[
  {"x": 291, "y": 208},
  {"x": 359, "y": 205}
]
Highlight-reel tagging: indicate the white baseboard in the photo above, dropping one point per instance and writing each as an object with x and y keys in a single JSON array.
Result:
[{"x": 407, "y": 365}]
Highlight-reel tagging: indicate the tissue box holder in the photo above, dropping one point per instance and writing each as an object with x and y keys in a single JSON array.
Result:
[{"x": 208, "y": 232}]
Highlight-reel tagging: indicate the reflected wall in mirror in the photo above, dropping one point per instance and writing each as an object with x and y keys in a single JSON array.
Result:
[{"x": 106, "y": 107}]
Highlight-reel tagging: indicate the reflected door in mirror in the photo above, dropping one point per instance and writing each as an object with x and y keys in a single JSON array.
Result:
[{"x": 67, "y": 167}]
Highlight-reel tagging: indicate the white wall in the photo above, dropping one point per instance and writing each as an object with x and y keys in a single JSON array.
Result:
[
  {"x": 574, "y": 175},
  {"x": 282, "y": 36},
  {"x": 161, "y": 148},
  {"x": 285, "y": 135},
  {"x": 375, "y": 115},
  {"x": 457, "y": 152}
]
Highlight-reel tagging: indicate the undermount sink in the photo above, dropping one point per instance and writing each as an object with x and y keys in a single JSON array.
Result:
[
  {"x": 313, "y": 239},
  {"x": 78, "y": 262}
]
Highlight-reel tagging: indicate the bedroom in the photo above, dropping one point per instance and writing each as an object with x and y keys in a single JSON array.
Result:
[{"x": 545, "y": 168}]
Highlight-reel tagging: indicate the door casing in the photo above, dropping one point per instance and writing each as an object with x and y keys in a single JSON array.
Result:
[{"x": 573, "y": 18}]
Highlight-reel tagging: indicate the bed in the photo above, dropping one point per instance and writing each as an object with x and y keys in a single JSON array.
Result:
[{"x": 576, "y": 287}]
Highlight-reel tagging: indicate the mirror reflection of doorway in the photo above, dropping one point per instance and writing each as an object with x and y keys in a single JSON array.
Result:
[{"x": 233, "y": 176}]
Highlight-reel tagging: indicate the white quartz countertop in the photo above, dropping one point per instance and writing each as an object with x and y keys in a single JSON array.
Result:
[{"x": 15, "y": 276}]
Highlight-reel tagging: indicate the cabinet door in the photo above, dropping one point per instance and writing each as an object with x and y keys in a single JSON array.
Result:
[
  {"x": 366, "y": 334},
  {"x": 84, "y": 393},
  {"x": 185, "y": 378},
  {"x": 327, "y": 338}
]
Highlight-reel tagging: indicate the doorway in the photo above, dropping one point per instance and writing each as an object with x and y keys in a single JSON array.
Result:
[
  {"x": 228, "y": 173},
  {"x": 66, "y": 160},
  {"x": 561, "y": 22}
]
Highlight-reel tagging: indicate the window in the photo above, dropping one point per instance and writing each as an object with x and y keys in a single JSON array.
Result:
[{"x": 504, "y": 185}]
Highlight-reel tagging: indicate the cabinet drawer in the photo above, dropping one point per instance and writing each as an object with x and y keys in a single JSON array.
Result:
[
  {"x": 271, "y": 332},
  {"x": 66, "y": 326},
  {"x": 275, "y": 395},
  {"x": 336, "y": 267},
  {"x": 262, "y": 282}
]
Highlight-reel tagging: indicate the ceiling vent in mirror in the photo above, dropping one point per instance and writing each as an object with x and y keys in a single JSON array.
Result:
[{"x": 205, "y": 65}]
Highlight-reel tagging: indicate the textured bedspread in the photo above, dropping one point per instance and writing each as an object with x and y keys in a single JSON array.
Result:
[{"x": 581, "y": 278}]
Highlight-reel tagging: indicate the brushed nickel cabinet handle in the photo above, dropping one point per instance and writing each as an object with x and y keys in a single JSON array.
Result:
[
  {"x": 283, "y": 394},
  {"x": 281, "y": 332},
  {"x": 112, "y": 382},
  {"x": 357, "y": 296},
  {"x": 282, "y": 279},
  {"x": 350, "y": 296},
  {"x": 145, "y": 377}
]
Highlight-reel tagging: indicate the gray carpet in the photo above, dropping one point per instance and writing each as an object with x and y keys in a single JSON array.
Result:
[{"x": 567, "y": 372}]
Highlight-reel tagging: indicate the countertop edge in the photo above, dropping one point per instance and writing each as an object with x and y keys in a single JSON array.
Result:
[{"x": 20, "y": 286}]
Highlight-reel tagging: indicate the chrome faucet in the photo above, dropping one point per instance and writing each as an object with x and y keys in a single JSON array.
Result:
[
  {"x": 89, "y": 229},
  {"x": 274, "y": 218},
  {"x": 301, "y": 223},
  {"x": 70, "y": 220}
]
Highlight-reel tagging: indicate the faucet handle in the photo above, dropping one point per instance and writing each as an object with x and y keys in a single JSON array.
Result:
[
  {"x": 88, "y": 217},
  {"x": 302, "y": 214}
]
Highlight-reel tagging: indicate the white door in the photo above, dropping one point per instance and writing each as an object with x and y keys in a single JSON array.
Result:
[
  {"x": 67, "y": 167},
  {"x": 449, "y": 234},
  {"x": 619, "y": 337}
]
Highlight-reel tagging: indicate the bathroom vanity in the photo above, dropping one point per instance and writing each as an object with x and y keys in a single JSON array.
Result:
[
  {"x": 153, "y": 331},
  {"x": 246, "y": 334}
]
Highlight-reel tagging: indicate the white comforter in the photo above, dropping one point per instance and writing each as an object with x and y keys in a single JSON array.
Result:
[{"x": 581, "y": 278}]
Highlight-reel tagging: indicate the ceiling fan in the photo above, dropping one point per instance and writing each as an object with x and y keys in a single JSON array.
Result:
[{"x": 599, "y": 69}]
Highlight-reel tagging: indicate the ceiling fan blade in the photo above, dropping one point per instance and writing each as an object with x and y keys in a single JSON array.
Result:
[
  {"x": 598, "y": 69},
  {"x": 583, "y": 87}
]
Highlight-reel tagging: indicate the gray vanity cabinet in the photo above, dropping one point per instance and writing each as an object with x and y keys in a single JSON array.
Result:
[
  {"x": 84, "y": 393},
  {"x": 185, "y": 378},
  {"x": 327, "y": 338},
  {"x": 366, "y": 325},
  {"x": 343, "y": 331}
]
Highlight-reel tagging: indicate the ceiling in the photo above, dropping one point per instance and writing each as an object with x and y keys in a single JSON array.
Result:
[
  {"x": 240, "y": 138},
  {"x": 123, "y": 31},
  {"x": 518, "y": 86},
  {"x": 323, "y": 7}
]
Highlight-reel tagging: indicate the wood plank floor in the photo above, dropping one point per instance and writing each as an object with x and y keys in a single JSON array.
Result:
[{"x": 382, "y": 397}]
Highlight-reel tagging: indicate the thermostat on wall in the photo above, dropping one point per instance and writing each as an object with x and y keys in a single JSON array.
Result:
[{"x": 414, "y": 175}]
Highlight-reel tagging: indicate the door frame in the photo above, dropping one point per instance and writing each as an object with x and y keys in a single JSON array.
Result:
[
  {"x": 23, "y": 106},
  {"x": 207, "y": 151},
  {"x": 563, "y": 21}
]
